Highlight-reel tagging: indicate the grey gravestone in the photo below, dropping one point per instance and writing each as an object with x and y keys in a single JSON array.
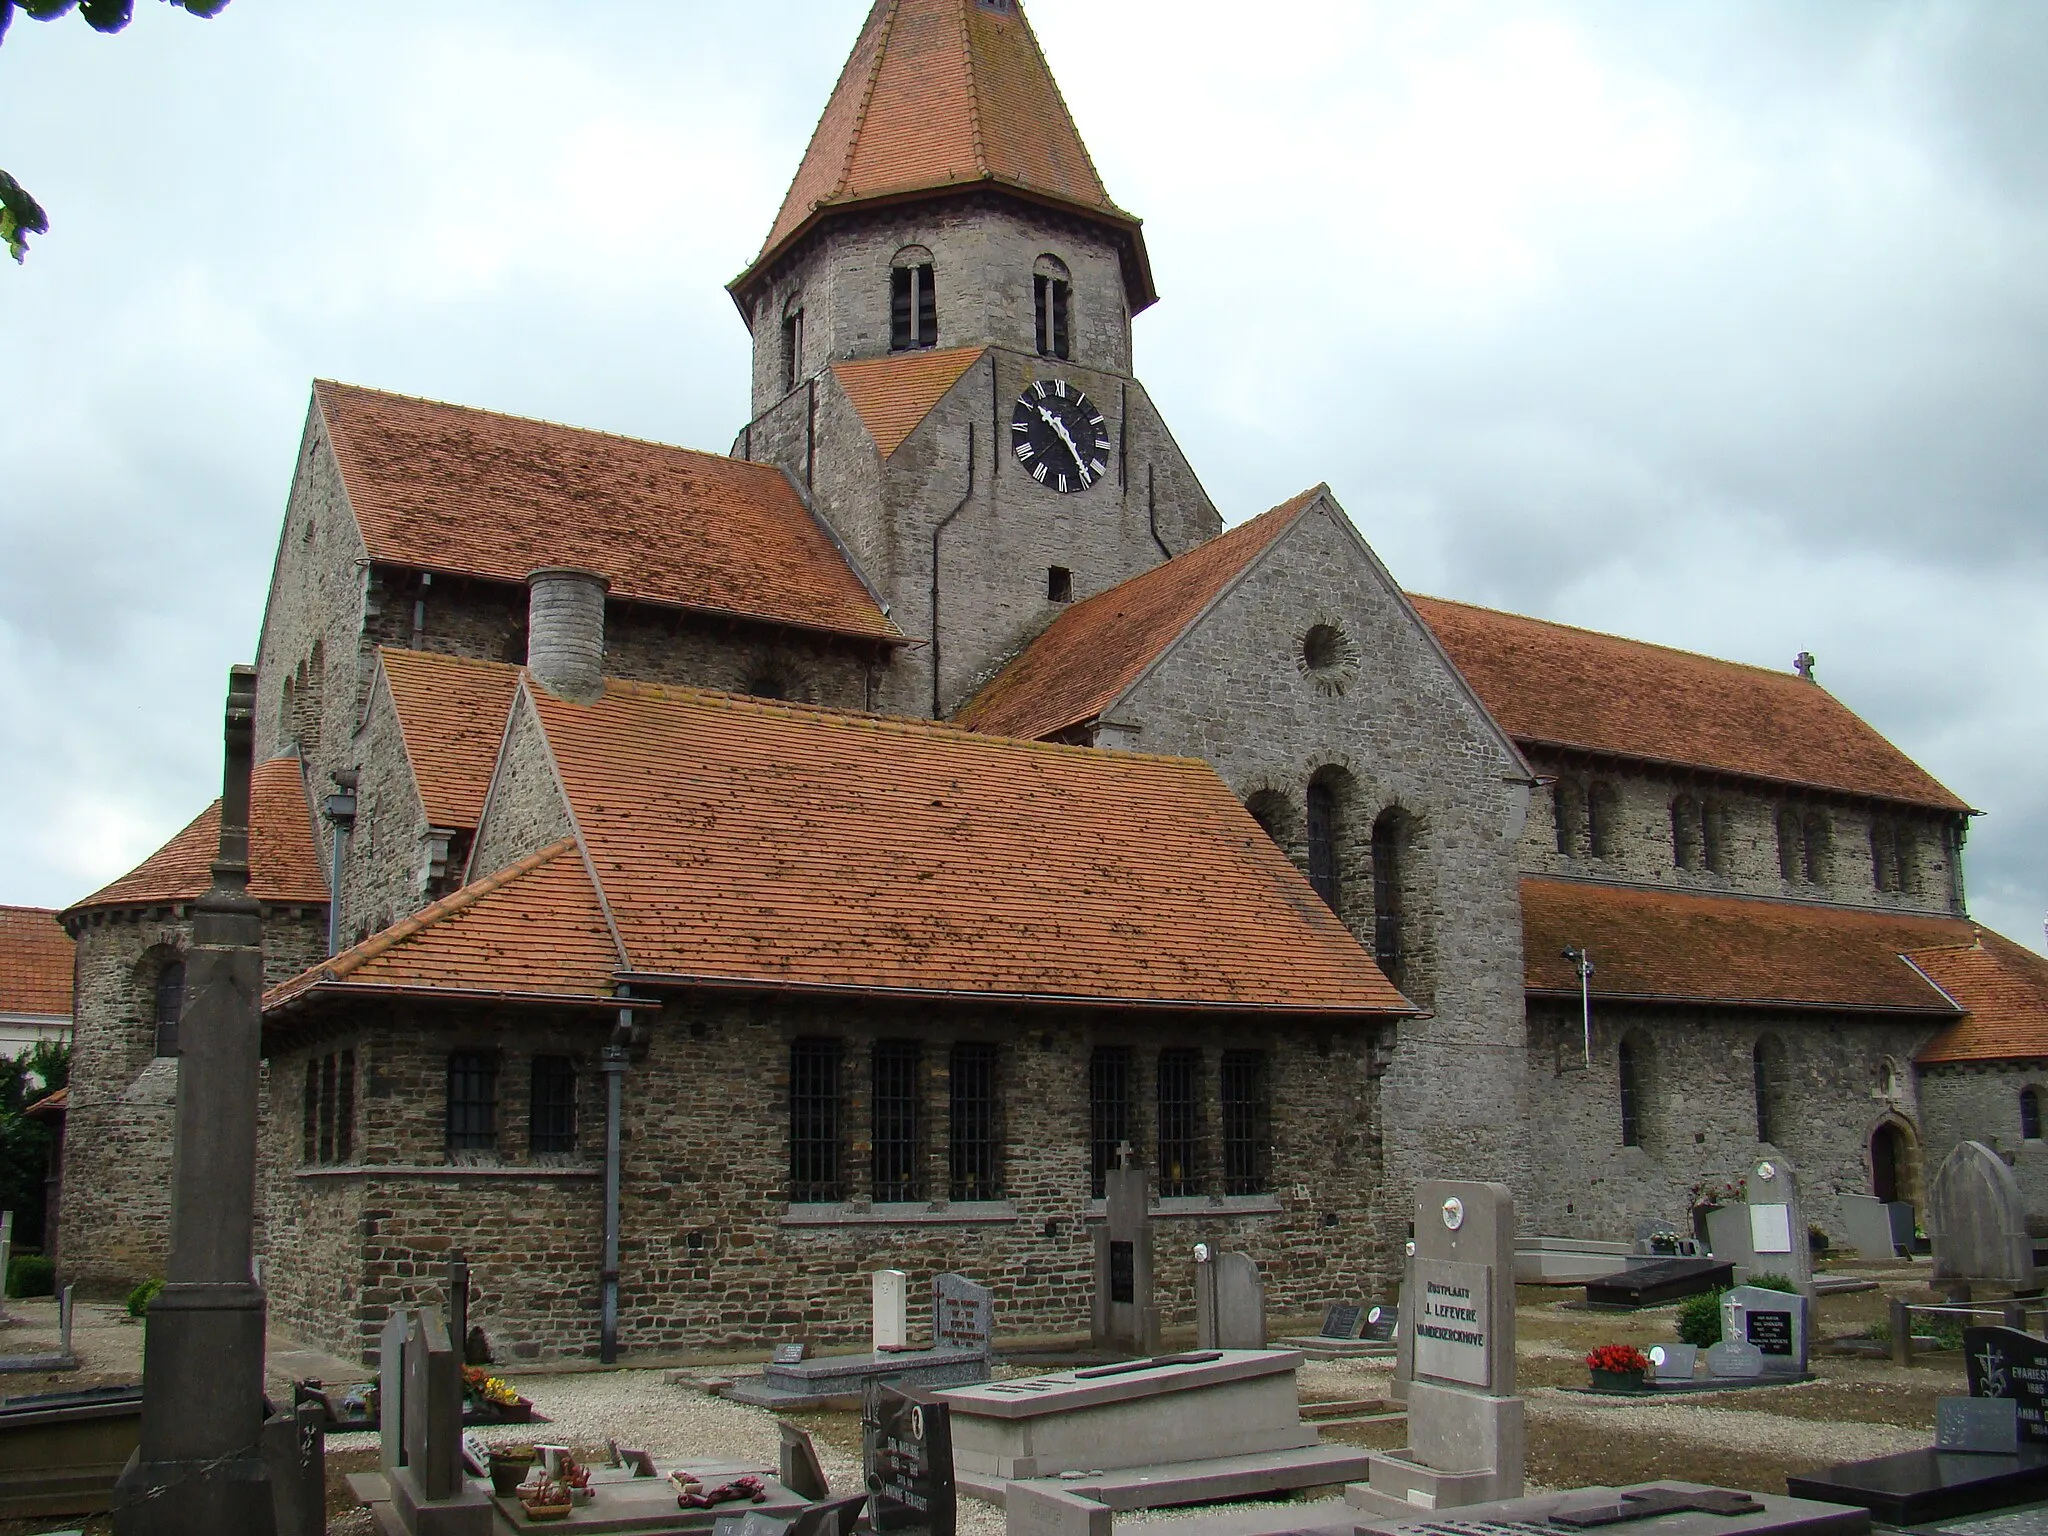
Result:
[
  {"x": 391, "y": 1388},
  {"x": 1674, "y": 1362},
  {"x": 1230, "y": 1301},
  {"x": 801, "y": 1473},
  {"x": 433, "y": 1406},
  {"x": 1125, "y": 1315},
  {"x": 1034, "y": 1509},
  {"x": 891, "y": 1309},
  {"x": 1978, "y": 1220},
  {"x": 1733, "y": 1361},
  {"x": 1775, "y": 1322},
  {"x": 1657, "y": 1237},
  {"x": 6, "y": 1249},
  {"x": 963, "y": 1315},
  {"x": 2004, "y": 1362},
  {"x": 1867, "y": 1226},
  {"x": 1728, "y": 1235},
  {"x": 1777, "y": 1225},
  {"x": 1904, "y": 1223},
  {"x": 908, "y": 1446},
  {"x": 1983, "y": 1425},
  {"x": 1342, "y": 1321}
]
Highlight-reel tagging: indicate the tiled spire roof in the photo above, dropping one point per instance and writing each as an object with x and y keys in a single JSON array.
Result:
[{"x": 937, "y": 96}]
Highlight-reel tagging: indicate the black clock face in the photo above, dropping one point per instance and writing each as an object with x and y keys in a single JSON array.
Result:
[{"x": 1059, "y": 437}]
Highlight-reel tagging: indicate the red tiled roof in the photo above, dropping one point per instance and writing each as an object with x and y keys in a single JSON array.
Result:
[
  {"x": 1679, "y": 947},
  {"x": 1553, "y": 684},
  {"x": 450, "y": 488},
  {"x": 894, "y": 393},
  {"x": 49, "y": 1104},
  {"x": 2005, "y": 988},
  {"x": 451, "y": 710},
  {"x": 533, "y": 929},
  {"x": 35, "y": 962},
  {"x": 1095, "y": 650},
  {"x": 284, "y": 863},
  {"x": 771, "y": 844},
  {"x": 939, "y": 95}
]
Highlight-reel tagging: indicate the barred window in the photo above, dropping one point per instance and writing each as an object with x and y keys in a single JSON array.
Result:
[
  {"x": 309, "y": 1131},
  {"x": 551, "y": 1108},
  {"x": 1109, "y": 1111},
  {"x": 1180, "y": 1146},
  {"x": 345, "y": 1108},
  {"x": 328, "y": 1116},
  {"x": 1247, "y": 1120},
  {"x": 1387, "y": 948},
  {"x": 816, "y": 1171},
  {"x": 976, "y": 1134},
  {"x": 170, "y": 1003},
  {"x": 327, "y": 1091},
  {"x": 472, "y": 1101},
  {"x": 2030, "y": 1114},
  {"x": 898, "y": 1167}
]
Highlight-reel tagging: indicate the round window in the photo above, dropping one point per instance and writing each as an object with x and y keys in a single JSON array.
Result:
[{"x": 1328, "y": 657}]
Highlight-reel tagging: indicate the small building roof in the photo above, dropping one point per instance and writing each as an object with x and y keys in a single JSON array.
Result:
[
  {"x": 36, "y": 956},
  {"x": 894, "y": 394},
  {"x": 451, "y": 712},
  {"x": 1553, "y": 685},
  {"x": 284, "y": 860},
  {"x": 1680, "y": 947},
  {"x": 450, "y": 488},
  {"x": 941, "y": 96},
  {"x": 1099, "y": 647},
  {"x": 50, "y": 1105},
  {"x": 2004, "y": 987}
]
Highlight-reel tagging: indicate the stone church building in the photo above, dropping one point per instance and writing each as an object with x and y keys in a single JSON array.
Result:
[{"x": 771, "y": 865}]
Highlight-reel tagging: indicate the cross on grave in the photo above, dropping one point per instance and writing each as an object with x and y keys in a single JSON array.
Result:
[{"x": 1123, "y": 1154}]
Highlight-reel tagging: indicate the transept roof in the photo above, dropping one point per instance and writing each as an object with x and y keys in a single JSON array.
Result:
[
  {"x": 35, "y": 963},
  {"x": 2005, "y": 988},
  {"x": 450, "y": 488},
  {"x": 451, "y": 712},
  {"x": 894, "y": 394}
]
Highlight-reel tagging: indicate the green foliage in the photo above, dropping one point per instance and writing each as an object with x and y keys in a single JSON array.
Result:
[
  {"x": 140, "y": 1298},
  {"x": 24, "y": 1143},
  {"x": 1770, "y": 1282},
  {"x": 1699, "y": 1319},
  {"x": 30, "y": 1274},
  {"x": 20, "y": 214}
]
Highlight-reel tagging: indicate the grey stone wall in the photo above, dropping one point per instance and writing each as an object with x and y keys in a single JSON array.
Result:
[
  {"x": 1645, "y": 853},
  {"x": 385, "y": 874},
  {"x": 1980, "y": 1101},
  {"x": 526, "y": 810},
  {"x": 1698, "y": 1112},
  {"x": 1389, "y": 727}
]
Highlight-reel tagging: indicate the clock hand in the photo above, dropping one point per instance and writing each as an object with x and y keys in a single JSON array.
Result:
[{"x": 1061, "y": 428}]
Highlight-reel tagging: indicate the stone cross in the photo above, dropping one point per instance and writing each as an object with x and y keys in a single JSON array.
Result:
[
  {"x": 1123, "y": 1160},
  {"x": 1125, "y": 1316}
]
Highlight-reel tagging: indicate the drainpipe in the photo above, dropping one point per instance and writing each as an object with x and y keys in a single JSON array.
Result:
[
  {"x": 1583, "y": 961},
  {"x": 340, "y": 809},
  {"x": 613, "y": 1065},
  {"x": 965, "y": 497}
]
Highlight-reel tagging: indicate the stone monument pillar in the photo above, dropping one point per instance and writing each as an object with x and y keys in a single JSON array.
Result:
[
  {"x": 1465, "y": 1424},
  {"x": 200, "y": 1468},
  {"x": 1126, "y": 1317}
]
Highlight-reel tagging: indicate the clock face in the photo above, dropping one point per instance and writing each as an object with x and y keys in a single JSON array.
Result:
[{"x": 1059, "y": 437}]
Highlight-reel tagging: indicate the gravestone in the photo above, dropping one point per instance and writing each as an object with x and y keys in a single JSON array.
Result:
[
  {"x": 1978, "y": 1220},
  {"x": 1230, "y": 1301},
  {"x": 1983, "y": 1426},
  {"x": 892, "y": 1309},
  {"x": 1342, "y": 1321},
  {"x": 1777, "y": 1225},
  {"x": 2004, "y": 1362},
  {"x": 1867, "y": 1226},
  {"x": 1674, "y": 1362},
  {"x": 391, "y": 1388},
  {"x": 1381, "y": 1323},
  {"x": 1653, "y": 1282},
  {"x": 429, "y": 1494},
  {"x": 800, "y": 1471},
  {"x": 1734, "y": 1360},
  {"x": 1728, "y": 1236},
  {"x": 907, "y": 1441},
  {"x": 1774, "y": 1322},
  {"x": 963, "y": 1315},
  {"x": 1465, "y": 1424},
  {"x": 6, "y": 1254},
  {"x": 1125, "y": 1317},
  {"x": 1040, "y": 1509},
  {"x": 456, "y": 1299}
]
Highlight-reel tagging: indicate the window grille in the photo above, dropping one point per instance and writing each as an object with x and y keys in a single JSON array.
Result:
[
  {"x": 551, "y": 1108},
  {"x": 1109, "y": 1110},
  {"x": 2030, "y": 1114},
  {"x": 309, "y": 1137},
  {"x": 1180, "y": 1150},
  {"x": 1247, "y": 1116},
  {"x": 1054, "y": 295},
  {"x": 327, "y": 1130},
  {"x": 345, "y": 1109},
  {"x": 1386, "y": 897},
  {"x": 976, "y": 1137},
  {"x": 1322, "y": 844},
  {"x": 815, "y": 1171},
  {"x": 170, "y": 1003},
  {"x": 898, "y": 1169},
  {"x": 913, "y": 309},
  {"x": 472, "y": 1102},
  {"x": 1631, "y": 1094}
]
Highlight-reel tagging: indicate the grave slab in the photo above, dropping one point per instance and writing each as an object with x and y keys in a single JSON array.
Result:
[
  {"x": 808, "y": 1383},
  {"x": 1977, "y": 1220},
  {"x": 1919, "y": 1487},
  {"x": 1167, "y": 1485},
  {"x": 1657, "y": 1281},
  {"x": 627, "y": 1504},
  {"x": 1550, "y": 1514},
  {"x": 1867, "y": 1226}
]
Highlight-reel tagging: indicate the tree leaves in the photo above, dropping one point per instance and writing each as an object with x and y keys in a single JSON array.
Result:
[{"x": 20, "y": 216}]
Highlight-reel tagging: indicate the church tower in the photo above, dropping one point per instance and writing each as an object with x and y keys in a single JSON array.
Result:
[{"x": 941, "y": 317}]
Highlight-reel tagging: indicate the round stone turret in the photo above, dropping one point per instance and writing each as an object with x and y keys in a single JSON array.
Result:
[{"x": 565, "y": 632}]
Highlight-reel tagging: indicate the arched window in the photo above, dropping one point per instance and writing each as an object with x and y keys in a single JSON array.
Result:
[
  {"x": 913, "y": 304},
  {"x": 1568, "y": 807},
  {"x": 1688, "y": 833},
  {"x": 792, "y": 343},
  {"x": 1270, "y": 810},
  {"x": 1630, "y": 1088},
  {"x": 1052, "y": 294},
  {"x": 1791, "y": 844},
  {"x": 1322, "y": 842},
  {"x": 1603, "y": 819},
  {"x": 1890, "y": 845},
  {"x": 2030, "y": 1114},
  {"x": 170, "y": 1003},
  {"x": 1814, "y": 854},
  {"x": 1767, "y": 1077},
  {"x": 1387, "y": 840},
  {"x": 1714, "y": 835}
]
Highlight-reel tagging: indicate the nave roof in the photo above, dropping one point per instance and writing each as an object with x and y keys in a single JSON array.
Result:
[{"x": 35, "y": 963}]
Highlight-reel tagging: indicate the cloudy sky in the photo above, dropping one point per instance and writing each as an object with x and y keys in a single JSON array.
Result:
[{"x": 1719, "y": 324}]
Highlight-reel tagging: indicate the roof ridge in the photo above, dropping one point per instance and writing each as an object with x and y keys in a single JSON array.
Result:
[
  {"x": 976, "y": 137},
  {"x": 1801, "y": 904},
  {"x": 1060, "y": 96},
  {"x": 844, "y": 176},
  {"x": 482, "y": 663},
  {"x": 8, "y": 906},
  {"x": 357, "y": 956}
]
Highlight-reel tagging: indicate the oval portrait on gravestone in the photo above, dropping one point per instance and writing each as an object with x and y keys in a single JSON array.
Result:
[{"x": 1454, "y": 1213}]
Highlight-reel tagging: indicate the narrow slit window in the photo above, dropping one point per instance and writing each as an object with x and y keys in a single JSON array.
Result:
[
  {"x": 815, "y": 1172},
  {"x": 792, "y": 349},
  {"x": 170, "y": 1003},
  {"x": 1386, "y": 897},
  {"x": 1247, "y": 1120},
  {"x": 345, "y": 1108},
  {"x": 1630, "y": 1090},
  {"x": 327, "y": 1103},
  {"x": 1322, "y": 844},
  {"x": 1180, "y": 1146},
  {"x": 309, "y": 1139},
  {"x": 2030, "y": 1114},
  {"x": 472, "y": 1102},
  {"x": 1568, "y": 808},
  {"x": 1109, "y": 1110},
  {"x": 551, "y": 1109},
  {"x": 1764, "y": 1075},
  {"x": 976, "y": 1137},
  {"x": 898, "y": 1169},
  {"x": 1603, "y": 820},
  {"x": 1059, "y": 584}
]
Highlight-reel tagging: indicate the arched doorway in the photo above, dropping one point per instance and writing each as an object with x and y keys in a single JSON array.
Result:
[{"x": 1894, "y": 1162}]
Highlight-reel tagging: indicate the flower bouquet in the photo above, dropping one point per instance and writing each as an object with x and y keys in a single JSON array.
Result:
[
  {"x": 1618, "y": 1368},
  {"x": 490, "y": 1400}
]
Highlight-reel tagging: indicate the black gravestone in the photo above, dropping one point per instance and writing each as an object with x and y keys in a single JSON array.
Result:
[
  {"x": 787, "y": 1354},
  {"x": 1380, "y": 1324},
  {"x": 907, "y": 1443},
  {"x": 1658, "y": 1281},
  {"x": 1341, "y": 1321},
  {"x": 1123, "y": 1273},
  {"x": 1771, "y": 1332},
  {"x": 1987, "y": 1426},
  {"x": 2004, "y": 1362}
]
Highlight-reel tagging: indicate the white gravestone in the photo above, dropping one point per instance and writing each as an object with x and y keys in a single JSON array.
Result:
[{"x": 892, "y": 1309}]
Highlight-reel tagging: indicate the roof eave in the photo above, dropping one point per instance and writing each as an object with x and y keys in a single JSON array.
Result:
[
  {"x": 1691, "y": 1000},
  {"x": 277, "y": 1006},
  {"x": 1952, "y": 806}
]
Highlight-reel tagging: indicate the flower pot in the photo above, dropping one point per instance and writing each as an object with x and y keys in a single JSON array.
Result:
[
  {"x": 1617, "y": 1381},
  {"x": 508, "y": 1472}
]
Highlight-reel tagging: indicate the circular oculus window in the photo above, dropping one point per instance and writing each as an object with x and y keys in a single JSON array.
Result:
[{"x": 1328, "y": 658}]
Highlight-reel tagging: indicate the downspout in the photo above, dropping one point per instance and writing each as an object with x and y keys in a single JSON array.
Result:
[
  {"x": 613, "y": 1065},
  {"x": 1152, "y": 515},
  {"x": 810, "y": 429},
  {"x": 961, "y": 506}
]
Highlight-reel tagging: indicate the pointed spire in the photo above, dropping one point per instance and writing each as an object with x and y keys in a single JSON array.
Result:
[{"x": 938, "y": 96}]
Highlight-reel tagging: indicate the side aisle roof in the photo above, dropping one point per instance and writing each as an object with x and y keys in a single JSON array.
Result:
[{"x": 451, "y": 711}]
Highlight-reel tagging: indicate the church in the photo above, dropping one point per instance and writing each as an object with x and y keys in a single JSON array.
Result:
[{"x": 693, "y": 880}]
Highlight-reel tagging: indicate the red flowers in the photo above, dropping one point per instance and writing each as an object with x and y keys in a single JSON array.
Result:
[{"x": 1619, "y": 1359}]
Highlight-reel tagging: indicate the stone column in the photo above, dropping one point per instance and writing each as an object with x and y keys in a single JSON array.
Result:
[{"x": 200, "y": 1468}]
